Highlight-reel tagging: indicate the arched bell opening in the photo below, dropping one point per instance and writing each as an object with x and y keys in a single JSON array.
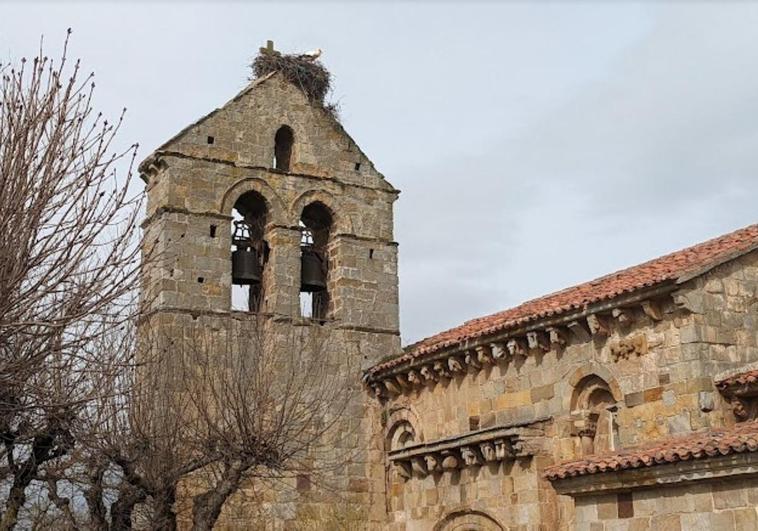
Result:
[
  {"x": 316, "y": 225},
  {"x": 593, "y": 407},
  {"x": 249, "y": 251},
  {"x": 284, "y": 139}
]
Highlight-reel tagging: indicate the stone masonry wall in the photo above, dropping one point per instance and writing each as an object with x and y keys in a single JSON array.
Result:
[
  {"x": 663, "y": 388},
  {"x": 723, "y": 505}
]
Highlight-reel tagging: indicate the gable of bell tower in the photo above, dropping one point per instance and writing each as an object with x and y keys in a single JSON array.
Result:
[{"x": 303, "y": 198}]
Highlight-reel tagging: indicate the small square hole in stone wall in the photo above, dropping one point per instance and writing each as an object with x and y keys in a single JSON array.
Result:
[
  {"x": 200, "y": 280},
  {"x": 213, "y": 231},
  {"x": 303, "y": 482},
  {"x": 625, "y": 505},
  {"x": 211, "y": 140},
  {"x": 357, "y": 166}
]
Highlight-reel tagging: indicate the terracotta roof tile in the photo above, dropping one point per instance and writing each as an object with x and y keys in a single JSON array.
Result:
[
  {"x": 712, "y": 443},
  {"x": 744, "y": 378},
  {"x": 666, "y": 268}
]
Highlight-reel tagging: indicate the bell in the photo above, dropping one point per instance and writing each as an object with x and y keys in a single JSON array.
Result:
[
  {"x": 246, "y": 269},
  {"x": 312, "y": 276}
]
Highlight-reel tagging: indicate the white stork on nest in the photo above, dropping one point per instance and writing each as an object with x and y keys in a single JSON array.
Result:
[{"x": 312, "y": 55}]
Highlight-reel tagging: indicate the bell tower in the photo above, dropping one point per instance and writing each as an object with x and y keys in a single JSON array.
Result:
[{"x": 266, "y": 208}]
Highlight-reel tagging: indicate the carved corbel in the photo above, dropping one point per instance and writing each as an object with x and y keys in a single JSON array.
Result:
[
  {"x": 470, "y": 456},
  {"x": 503, "y": 449},
  {"x": 441, "y": 370},
  {"x": 598, "y": 325},
  {"x": 484, "y": 355},
  {"x": 402, "y": 381},
  {"x": 557, "y": 336},
  {"x": 378, "y": 390},
  {"x": 653, "y": 310},
  {"x": 414, "y": 378},
  {"x": 538, "y": 341},
  {"x": 472, "y": 360},
  {"x": 391, "y": 386},
  {"x": 418, "y": 465},
  {"x": 498, "y": 350},
  {"x": 428, "y": 374},
  {"x": 450, "y": 461},
  {"x": 528, "y": 446},
  {"x": 488, "y": 451},
  {"x": 454, "y": 364},
  {"x": 623, "y": 316},
  {"x": 739, "y": 408},
  {"x": 432, "y": 463},
  {"x": 403, "y": 469},
  {"x": 579, "y": 330},
  {"x": 516, "y": 347}
]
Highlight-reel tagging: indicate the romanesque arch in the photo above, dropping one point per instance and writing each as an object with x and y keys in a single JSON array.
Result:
[
  {"x": 339, "y": 218},
  {"x": 593, "y": 405},
  {"x": 403, "y": 428},
  {"x": 468, "y": 521},
  {"x": 274, "y": 205}
]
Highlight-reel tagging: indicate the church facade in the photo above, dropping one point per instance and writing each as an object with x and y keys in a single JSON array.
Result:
[{"x": 628, "y": 402}]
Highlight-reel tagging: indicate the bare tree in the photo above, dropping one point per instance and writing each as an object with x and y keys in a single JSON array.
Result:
[
  {"x": 213, "y": 408},
  {"x": 96, "y": 411},
  {"x": 267, "y": 399},
  {"x": 69, "y": 263}
]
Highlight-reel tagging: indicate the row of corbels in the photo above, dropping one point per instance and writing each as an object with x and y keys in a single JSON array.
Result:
[
  {"x": 454, "y": 459},
  {"x": 481, "y": 356}
]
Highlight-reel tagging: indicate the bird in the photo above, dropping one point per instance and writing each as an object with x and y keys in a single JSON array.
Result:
[{"x": 312, "y": 55}]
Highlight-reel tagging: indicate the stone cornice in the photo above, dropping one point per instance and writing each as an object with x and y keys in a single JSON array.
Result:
[
  {"x": 538, "y": 337},
  {"x": 683, "y": 471},
  {"x": 477, "y": 448},
  {"x": 154, "y": 167}
]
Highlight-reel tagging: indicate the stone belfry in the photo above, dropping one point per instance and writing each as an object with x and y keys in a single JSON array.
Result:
[{"x": 313, "y": 245}]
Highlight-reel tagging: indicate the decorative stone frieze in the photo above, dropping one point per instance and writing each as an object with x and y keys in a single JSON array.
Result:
[{"x": 473, "y": 449}]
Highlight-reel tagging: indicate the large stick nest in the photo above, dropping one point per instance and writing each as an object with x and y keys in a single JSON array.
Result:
[{"x": 309, "y": 76}]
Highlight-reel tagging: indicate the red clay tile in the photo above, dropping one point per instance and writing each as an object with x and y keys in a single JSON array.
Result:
[
  {"x": 666, "y": 268},
  {"x": 715, "y": 442}
]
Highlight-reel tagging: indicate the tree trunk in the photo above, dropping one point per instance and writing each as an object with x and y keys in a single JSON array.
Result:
[
  {"x": 94, "y": 498},
  {"x": 123, "y": 507},
  {"x": 164, "y": 517},
  {"x": 23, "y": 476},
  {"x": 206, "y": 507}
]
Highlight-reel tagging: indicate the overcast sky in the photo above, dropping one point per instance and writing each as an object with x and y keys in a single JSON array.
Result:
[{"x": 536, "y": 145}]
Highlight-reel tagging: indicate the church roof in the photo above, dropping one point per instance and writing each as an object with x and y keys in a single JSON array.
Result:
[
  {"x": 676, "y": 267},
  {"x": 716, "y": 442}
]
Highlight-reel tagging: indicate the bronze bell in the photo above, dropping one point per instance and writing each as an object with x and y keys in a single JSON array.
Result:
[
  {"x": 246, "y": 269},
  {"x": 312, "y": 271}
]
